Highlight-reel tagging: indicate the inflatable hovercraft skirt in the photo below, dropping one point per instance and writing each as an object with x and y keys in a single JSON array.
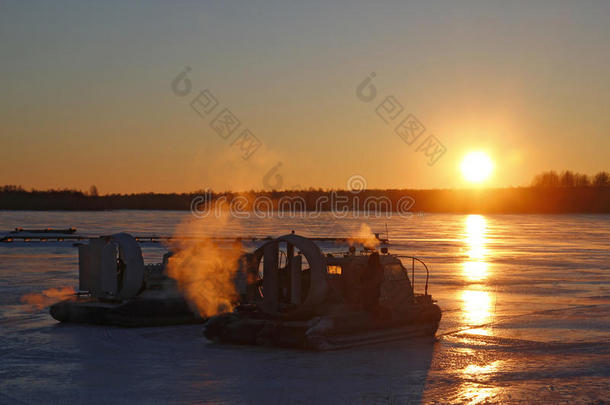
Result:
[{"x": 321, "y": 333}]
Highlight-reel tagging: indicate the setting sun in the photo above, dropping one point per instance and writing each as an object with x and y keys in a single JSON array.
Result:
[{"x": 476, "y": 167}]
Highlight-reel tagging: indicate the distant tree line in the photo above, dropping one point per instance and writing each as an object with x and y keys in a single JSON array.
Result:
[
  {"x": 568, "y": 178},
  {"x": 17, "y": 198},
  {"x": 567, "y": 192}
]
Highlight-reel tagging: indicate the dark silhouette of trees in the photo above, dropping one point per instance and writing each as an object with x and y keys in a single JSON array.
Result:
[
  {"x": 12, "y": 189},
  {"x": 568, "y": 178},
  {"x": 546, "y": 179},
  {"x": 581, "y": 180},
  {"x": 601, "y": 179},
  {"x": 567, "y": 192}
]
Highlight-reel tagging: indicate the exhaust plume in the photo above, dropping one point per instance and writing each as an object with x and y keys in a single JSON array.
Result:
[
  {"x": 47, "y": 297},
  {"x": 365, "y": 237},
  {"x": 205, "y": 273}
]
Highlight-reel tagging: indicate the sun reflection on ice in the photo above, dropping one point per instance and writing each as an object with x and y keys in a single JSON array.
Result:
[
  {"x": 476, "y": 308},
  {"x": 475, "y": 271},
  {"x": 475, "y": 268},
  {"x": 476, "y": 226},
  {"x": 471, "y": 391},
  {"x": 476, "y": 303},
  {"x": 476, "y": 370}
]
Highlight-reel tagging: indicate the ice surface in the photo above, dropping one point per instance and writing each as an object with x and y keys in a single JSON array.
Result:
[{"x": 526, "y": 317}]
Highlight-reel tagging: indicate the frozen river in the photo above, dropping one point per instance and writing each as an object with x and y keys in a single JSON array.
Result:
[{"x": 526, "y": 318}]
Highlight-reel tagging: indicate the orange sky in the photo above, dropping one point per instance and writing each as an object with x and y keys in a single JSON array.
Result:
[{"x": 87, "y": 95}]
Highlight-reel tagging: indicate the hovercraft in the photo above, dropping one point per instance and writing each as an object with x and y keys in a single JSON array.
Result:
[
  {"x": 116, "y": 288},
  {"x": 299, "y": 297}
]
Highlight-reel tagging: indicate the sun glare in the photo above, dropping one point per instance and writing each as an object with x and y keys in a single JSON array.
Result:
[{"x": 476, "y": 167}]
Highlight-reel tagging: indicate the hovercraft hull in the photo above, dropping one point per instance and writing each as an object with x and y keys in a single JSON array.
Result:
[
  {"x": 136, "y": 312},
  {"x": 330, "y": 332}
]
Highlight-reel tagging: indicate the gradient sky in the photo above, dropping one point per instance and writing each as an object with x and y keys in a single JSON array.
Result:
[{"x": 86, "y": 96}]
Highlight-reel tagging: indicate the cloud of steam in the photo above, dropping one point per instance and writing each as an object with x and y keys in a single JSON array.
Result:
[
  {"x": 47, "y": 297},
  {"x": 365, "y": 237},
  {"x": 205, "y": 272}
]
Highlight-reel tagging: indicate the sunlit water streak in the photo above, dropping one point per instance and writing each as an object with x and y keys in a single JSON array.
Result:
[{"x": 485, "y": 270}]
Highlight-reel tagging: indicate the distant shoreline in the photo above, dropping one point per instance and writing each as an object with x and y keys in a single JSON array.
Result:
[{"x": 519, "y": 200}]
